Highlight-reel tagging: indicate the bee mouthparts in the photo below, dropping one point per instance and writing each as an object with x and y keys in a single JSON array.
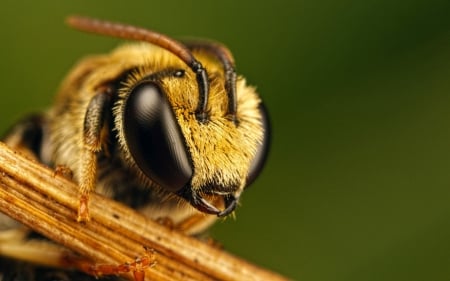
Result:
[{"x": 201, "y": 204}]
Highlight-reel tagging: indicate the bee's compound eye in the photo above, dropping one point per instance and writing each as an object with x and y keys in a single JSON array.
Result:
[
  {"x": 154, "y": 138},
  {"x": 263, "y": 149}
]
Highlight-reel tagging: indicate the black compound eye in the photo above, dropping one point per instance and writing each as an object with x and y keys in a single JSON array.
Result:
[
  {"x": 263, "y": 149},
  {"x": 154, "y": 138}
]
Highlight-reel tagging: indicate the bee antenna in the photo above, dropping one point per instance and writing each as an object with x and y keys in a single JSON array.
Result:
[
  {"x": 141, "y": 34},
  {"x": 223, "y": 54}
]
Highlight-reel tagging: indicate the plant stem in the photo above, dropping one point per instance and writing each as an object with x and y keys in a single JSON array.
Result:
[{"x": 47, "y": 203}]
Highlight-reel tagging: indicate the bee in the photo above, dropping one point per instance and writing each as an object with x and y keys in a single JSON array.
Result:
[{"x": 165, "y": 127}]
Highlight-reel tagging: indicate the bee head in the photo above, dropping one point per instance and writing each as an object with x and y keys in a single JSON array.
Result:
[
  {"x": 198, "y": 135},
  {"x": 199, "y": 161}
]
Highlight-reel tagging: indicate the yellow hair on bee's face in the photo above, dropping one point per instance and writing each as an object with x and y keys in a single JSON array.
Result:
[{"x": 221, "y": 150}]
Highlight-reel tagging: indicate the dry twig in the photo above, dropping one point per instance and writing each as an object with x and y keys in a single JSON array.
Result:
[{"x": 47, "y": 203}]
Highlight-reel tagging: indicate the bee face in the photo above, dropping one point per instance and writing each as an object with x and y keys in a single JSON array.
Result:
[{"x": 160, "y": 133}]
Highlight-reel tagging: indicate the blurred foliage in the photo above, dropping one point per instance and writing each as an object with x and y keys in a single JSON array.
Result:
[{"x": 357, "y": 186}]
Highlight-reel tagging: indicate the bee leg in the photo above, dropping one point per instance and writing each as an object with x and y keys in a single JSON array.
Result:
[
  {"x": 16, "y": 245},
  {"x": 26, "y": 136},
  {"x": 137, "y": 267},
  {"x": 93, "y": 138}
]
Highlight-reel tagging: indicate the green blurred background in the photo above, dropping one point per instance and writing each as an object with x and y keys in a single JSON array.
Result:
[{"x": 357, "y": 186}]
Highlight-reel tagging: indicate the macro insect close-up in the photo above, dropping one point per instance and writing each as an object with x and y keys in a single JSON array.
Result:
[{"x": 165, "y": 127}]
